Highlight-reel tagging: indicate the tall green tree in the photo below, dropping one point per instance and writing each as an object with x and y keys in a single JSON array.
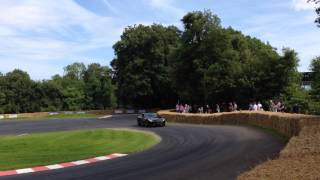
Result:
[
  {"x": 2, "y": 93},
  {"x": 99, "y": 89},
  {"x": 315, "y": 85},
  {"x": 215, "y": 64},
  {"x": 17, "y": 89},
  {"x": 75, "y": 71},
  {"x": 49, "y": 96},
  {"x": 192, "y": 57},
  {"x": 142, "y": 65}
]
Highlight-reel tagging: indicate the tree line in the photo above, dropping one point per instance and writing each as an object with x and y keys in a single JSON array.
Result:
[
  {"x": 81, "y": 87},
  {"x": 158, "y": 66},
  {"x": 205, "y": 63}
]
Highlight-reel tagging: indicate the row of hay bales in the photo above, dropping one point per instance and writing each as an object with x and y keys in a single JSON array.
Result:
[
  {"x": 44, "y": 114},
  {"x": 300, "y": 159},
  {"x": 24, "y": 115}
]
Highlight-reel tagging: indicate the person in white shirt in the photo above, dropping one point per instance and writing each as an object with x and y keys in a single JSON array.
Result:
[
  {"x": 255, "y": 106},
  {"x": 260, "y": 107},
  {"x": 235, "y": 106}
]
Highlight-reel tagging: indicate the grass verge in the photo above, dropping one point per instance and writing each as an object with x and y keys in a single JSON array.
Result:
[{"x": 49, "y": 148}]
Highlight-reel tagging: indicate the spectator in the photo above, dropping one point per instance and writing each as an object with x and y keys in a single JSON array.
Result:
[
  {"x": 208, "y": 108},
  {"x": 255, "y": 106},
  {"x": 278, "y": 107},
  {"x": 181, "y": 108},
  {"x": 260, "y": 106},
  {"x": 272, "y": 106},
  {"x": 296, "y": 108},
  {"x": 217, "y": 108},
  {"x": 250, "y": 106},
  {"x": 185, "y": 109},
  {"x": 223, "y": 107},
  {"x": 230, "y": 107},
  {"x": 235, "y": 106},
  {"x": 282, "y": 107}
]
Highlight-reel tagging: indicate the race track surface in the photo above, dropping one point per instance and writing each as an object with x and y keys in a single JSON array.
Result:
[{"x": 193, "y": 152}]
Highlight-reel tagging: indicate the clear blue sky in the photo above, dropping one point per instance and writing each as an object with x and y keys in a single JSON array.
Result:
[{"x": 43, "y": 36}]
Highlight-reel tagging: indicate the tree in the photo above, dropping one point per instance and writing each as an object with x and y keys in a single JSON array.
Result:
[
  {"x": 2, "y": 94},
  {"x": 75, "y": 71},
  {"x": 142, "y": 65},
  {"x": 49, "y": 96},
  {"x": 192, "y": 56},
  {"x": 17, "y": 90},
  {"x": 99, "y": 90},
  {"x": 215, "y": 64},
  {"x": 71, "y": 85},
  {"x": 315, "y": 85}
]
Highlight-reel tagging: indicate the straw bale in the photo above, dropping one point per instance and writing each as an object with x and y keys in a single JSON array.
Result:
[{"x": 285, "y": 169}]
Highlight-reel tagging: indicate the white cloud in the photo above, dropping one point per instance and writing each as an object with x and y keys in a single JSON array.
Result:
[
  {"x": 300, "y": 5},
  {"x": 41, "y": 31}
]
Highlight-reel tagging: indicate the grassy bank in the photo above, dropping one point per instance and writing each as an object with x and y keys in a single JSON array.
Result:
[{"x": 49, "y": 148}]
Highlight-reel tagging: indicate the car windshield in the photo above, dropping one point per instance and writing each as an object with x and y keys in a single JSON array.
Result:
[{"x": 151, "y": 115}]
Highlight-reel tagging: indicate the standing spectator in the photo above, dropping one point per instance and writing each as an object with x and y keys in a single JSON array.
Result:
[
  {"x": 223, "y": 107},
  {"x": 260, "y": 108},
  {"x": 230, "y": 107},
  {"x": 278, "y": 107},
  {"x": 181, "y": 108},
  {"x": 217, "y": 108},
  {"x": 185, "y": 109},
  {"x": 190, "y": 109},
  {"x": 271, "y": 106},
  {"x": 177, "y": 107},
  {"x": 250, "y": 106},
  {"x": 282, "y": 107},
  {"x": 235, "y": 106},
  {"x": 208, "y": 108},
  {"x": 296, "y": 108},
  {"x": 255, "y": 106},
  {"x": 201, "y": 109}
]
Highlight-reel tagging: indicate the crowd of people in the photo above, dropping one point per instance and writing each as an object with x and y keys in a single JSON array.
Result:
[
  {"x": 274, "y": 106},
  {"x": 186, "y": 108}
]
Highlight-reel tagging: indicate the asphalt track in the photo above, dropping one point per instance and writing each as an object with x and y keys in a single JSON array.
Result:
[{"x": 193, "y": 152}]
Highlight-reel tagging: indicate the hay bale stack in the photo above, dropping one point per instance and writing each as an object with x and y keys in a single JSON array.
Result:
[
  {"x": 33, "y": 115},
  {"x": 300, "y": 159},
  {"x": 285, "y": 169},
  {"x": 306, "y": 144}
]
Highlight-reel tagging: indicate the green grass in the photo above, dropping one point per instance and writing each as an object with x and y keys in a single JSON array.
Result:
[
  {"x": 50, "y": 148},
  {"x": 57, "y": 116}
]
